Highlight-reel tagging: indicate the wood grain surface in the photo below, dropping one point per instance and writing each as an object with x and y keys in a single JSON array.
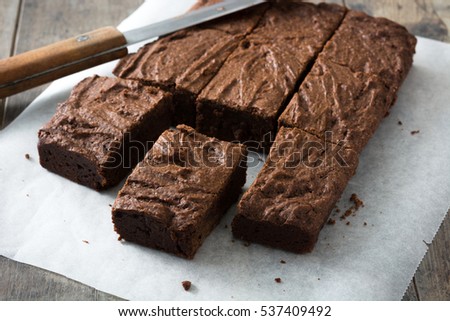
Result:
[
  {"x": 42, "y": 65},
  {"x": 9, "y": 16},
  {"x": 43, "y": 22},
  {"x": 28, "y": 24}
]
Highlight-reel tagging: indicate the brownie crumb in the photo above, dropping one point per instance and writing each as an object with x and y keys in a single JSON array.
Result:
[
  {"x": 348, "y": 223},
  {"x": 357, "y": 201},
  {"x": 110, "y": 205},
  {"x": 226, "y": 226},
  {"x": 278, "y": 280},
  {"x": 338, "y": 210},
  {"x": 283, "y": 262},
  {"x": 399, "y": 123},
  {"x": 84, "y": 241},
  {"x": 27, "y": 156},
  {"x": 247, "y": 244},
  {"x": 347, "y": 213},
  {"x": 414, "y": 132},
  {"x": 331, "y": 221},
  {"x": 119, "y": 238},
  {"x": 232, "y": 241},
  {"x": 365, "y": 224},
  {"x": 186, "y": 285}
]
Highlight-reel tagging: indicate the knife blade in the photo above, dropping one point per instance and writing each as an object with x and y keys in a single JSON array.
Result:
[
  {"x": 189, "y": 19},
  {"x": 39, "y": 66}
]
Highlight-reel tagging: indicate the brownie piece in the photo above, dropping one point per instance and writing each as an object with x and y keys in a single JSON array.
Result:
[
  {"x": 360, "y": 70},
  {"x": 375, "y": 46},
  {"x": 339, "y": 105},
  {"x": 179, "y": 192},
  {"x": 243, "y": 101},
  {"x": 103, "y": 130},
  {"x": 293, "y": 195},
  {"x": 185, "y": 61}
]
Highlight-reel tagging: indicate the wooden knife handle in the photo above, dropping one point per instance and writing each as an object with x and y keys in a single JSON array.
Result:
[{"x": 39, "y": 66}]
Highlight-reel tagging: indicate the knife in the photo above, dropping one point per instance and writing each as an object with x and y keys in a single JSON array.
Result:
[{"x": 39, "y": 66}]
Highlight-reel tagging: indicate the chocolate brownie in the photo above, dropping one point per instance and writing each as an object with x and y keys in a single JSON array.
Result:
[
  {"x": 338, "y": 104},
  {"x": 103, "y": 130},
  {"x": 179, "y": 192},
  {"x": 293, "y": 195},
  {"x": 349, "y": 90},
  {"x": 184, "y": 62},
  {"x": 360, "y": 70},
  {"x": 375, "y": 46},
  {"x": 243, "y": 101}
]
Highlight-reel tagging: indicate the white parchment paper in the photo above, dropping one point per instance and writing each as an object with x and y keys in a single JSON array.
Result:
[{"x": 403, "y": 179}]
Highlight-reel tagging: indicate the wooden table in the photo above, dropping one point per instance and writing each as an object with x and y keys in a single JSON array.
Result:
[{"x": 28, "y": 24}]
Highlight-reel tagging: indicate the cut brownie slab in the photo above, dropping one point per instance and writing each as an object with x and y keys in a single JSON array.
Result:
[
  {"x": 243, "y": 101},
  {"x": 179, "y": 192},
  {"x": 103, "y": 130},
  {"x": 354, "y": 81},
  {"x": 293, "y": 195},
  {"x": 184, "y": 62},
  {"x": 341, "y": 102}
]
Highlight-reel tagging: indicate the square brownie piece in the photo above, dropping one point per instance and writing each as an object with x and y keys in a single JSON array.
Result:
[
  {"x": 180, "y": 191},
  {"x": 243, "y": 101},
  {"x": 185, "y": 61},
  {"x": 103, "y": 130},
  {"x": 294, "y": 194}
]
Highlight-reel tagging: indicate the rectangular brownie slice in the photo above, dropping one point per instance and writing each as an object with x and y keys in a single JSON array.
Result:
[
  {"x": 103, "y": 130},
  {"x": 180, "y": 191},
  {"x": 292, "y": 197},
  {"x": 243, "y": 101},
  {"x": 354, "y": 81},
  {"x": 185, "y": 61}
]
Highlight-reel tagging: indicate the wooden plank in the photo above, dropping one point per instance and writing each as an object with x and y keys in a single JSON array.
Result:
[
  {"x": 9, "y": 11},
  {"x": 411, "y": 293},
  {"x": 8, "y": 15},
  {"x": 433, "y": 275},
  {"x": 5, "y": 266},
  {"x": 43, "y": 22},
  {"x": 427, "y": 18},
  {"x": 22, "y": 282},
  {"x": 442, "y": 8}
]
